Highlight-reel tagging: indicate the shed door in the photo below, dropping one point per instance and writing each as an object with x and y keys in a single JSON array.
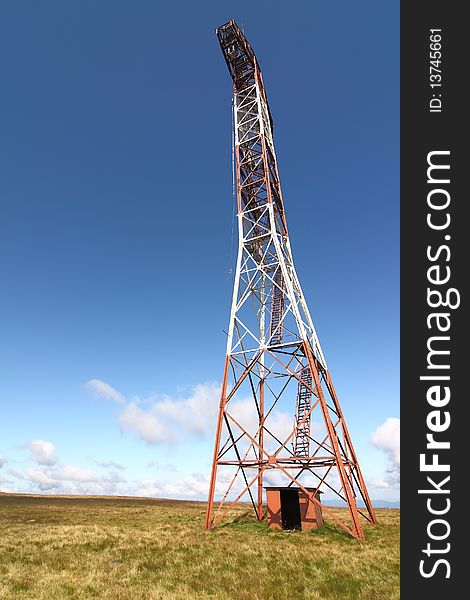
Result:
[{"x": 290, "y": 509}]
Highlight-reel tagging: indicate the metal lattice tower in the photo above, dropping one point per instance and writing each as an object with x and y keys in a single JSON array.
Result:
[{"x": 274, "y": 364}]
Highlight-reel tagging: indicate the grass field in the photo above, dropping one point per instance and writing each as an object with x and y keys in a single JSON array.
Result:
[{"x": 131, "y": 548}]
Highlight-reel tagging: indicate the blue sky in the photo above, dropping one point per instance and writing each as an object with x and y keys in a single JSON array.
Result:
[{"x": 116, "y": 229}]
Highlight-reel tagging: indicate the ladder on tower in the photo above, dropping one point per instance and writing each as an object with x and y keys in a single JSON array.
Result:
[
  {"x": 277, "y": 309},
  {"x": 304, "y": 396}
]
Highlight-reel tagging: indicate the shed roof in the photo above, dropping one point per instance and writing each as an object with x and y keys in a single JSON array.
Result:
[{"x": 296, "y": 489}]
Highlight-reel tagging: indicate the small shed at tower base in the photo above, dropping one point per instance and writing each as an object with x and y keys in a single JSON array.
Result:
[{"x": 291, "y": 508}]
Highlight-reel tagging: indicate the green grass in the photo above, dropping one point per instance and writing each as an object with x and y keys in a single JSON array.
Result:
[{"x": 130, "y": 548}]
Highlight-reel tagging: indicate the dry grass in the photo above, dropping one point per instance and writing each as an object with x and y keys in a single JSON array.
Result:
[{"x": 128, "y": 548}]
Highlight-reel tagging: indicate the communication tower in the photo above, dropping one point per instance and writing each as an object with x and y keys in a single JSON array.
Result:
[{"x": 274, "y": 363}]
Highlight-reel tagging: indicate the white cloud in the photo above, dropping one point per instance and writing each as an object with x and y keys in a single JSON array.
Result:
[
  {"x": 112, "y": 477},
  {"x": 244, "y": 412},
  {"x": 101, "y": 389},
  {"x": 279, "y": 423},
  {"x": 102, "y": 487},
  {"x": 72, "y": 473},
  {"x": 162, "y": 467},
  {"x": 195, "y": 414},
  {"x": 389, "y": 481},
  {"x": 64, "y": 478},
  {"x": 110, "y": 464},
  {"x": 3, "y": 460},
  {"x": 16, "y": 473},
  {"x": 70, "y": 479},
  {"x": 163, "y": 420},
  {"x": 144, "y": 424},
  {"x": 42, "y": 452},
  {"x": 274, "y": 477},
  {"x": 190, "y": 486},
  {"x": 171, "y": 420},
  {"x": 387, "y": 438},
  {"x": 168, "y": 420},
  {"x": 42, "y": 478}
]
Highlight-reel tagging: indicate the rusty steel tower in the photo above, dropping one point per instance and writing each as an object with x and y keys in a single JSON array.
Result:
[{"x": 279, "y": 414}]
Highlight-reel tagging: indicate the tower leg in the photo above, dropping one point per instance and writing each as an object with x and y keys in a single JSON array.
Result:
[
  {"x": 223, "y": 399},
  {"x": 345, "y": 483},
  {"x": 362, "y": 484},
  {"x": 260, "y": 450}
]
